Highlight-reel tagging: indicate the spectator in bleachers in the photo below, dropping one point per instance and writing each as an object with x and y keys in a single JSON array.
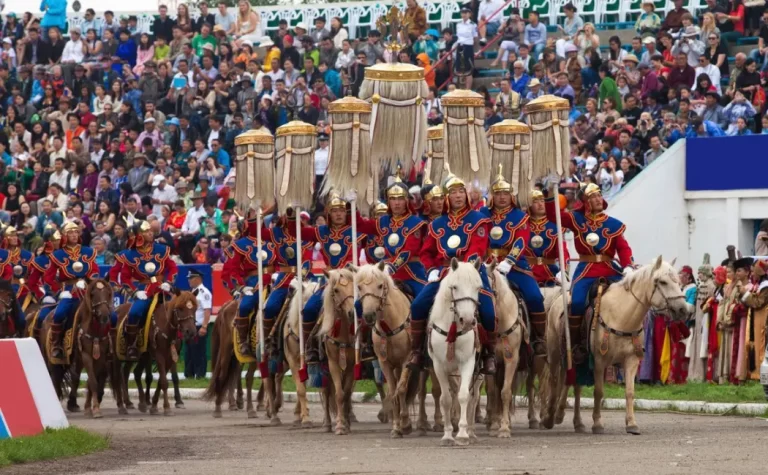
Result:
[
  {"x": 682, "y": 74},
  {"x": 319, "y": 31},
  {"x": 572, "y": 26},
  {"x": 739, "y": 108},
  {"x": 489, "y": 17},
  {"x": 732, "y": 23},
  {"x": 649, "y": 22},
  {"x": 760, "y": 54},
  {"x": 535, "y": 34},
  {"x": 616, "y": 54},
  {"x": 609, "y": 90},
  {"x": 674, "y": 19},
  {"x": 418, "y": 19},
  {"x": 711, "y": 72},
  {"x": 748, "y": 82},
  {"x": 512, "y": 37}
]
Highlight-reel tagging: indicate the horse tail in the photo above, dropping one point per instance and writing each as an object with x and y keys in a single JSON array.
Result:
[
  {"x": 225, "y": 366},
  {"x": 545, "y": 385}
]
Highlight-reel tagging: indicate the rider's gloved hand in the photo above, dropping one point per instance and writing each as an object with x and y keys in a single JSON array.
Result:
[
  {"x": 140, "y": 294},
  {"x": 65, "y": 295},
  {"x": 434, "y": 276},
  {"x": 80, "y": 284},
  {"x": 504, "y": 267},
  {"x": 165, "y": 287},
  {"x": 48, "y": 300}
]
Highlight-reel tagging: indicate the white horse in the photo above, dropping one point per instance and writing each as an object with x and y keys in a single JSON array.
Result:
[
  {"x": 456, "y": 303},
  {"x": 616, "y": 337},
  {"x": 291, "y": 330}
]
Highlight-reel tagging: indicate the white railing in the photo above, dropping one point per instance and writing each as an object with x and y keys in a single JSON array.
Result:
[{"x": 360, "y": 17}]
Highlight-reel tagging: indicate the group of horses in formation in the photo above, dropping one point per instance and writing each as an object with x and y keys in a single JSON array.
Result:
[
  {"x": 455, "y": 376},
  {"x": 91, "y": 345},
  {"x": 454, "y": 372}
]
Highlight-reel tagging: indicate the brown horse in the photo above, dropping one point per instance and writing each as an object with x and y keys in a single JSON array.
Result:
[
  {"x": 225, "y": 369},
  {"x": 338, "y": 334},
  {"x": 95, "y": 347},
  {"x": 8, "y": 308},
  {"x": 173, "y": 316}
]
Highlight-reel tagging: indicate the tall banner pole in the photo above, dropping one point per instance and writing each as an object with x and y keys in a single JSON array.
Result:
[
  {"x": 355, "y": 294},
  {"x": 570, "y": 373},
  {"x": 298, "y": 295},
  {"x": 263, "y": 364}
]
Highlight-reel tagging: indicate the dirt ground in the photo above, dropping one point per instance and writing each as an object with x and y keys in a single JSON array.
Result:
[{"x": 193, "y": 442}]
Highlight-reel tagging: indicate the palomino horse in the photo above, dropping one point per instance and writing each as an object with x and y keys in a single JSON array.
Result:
[
  {"x": 225, "y": 368},
  {"x": 512, "y": 330},
  {"x": 337, "y": 331},
  {"x": 291, "y": 329},
  {"x": 176, "y": 315},
  {"x": 456, "y": 303},
  {"x": 8, "y": 326},
  {"x": 616, "y": 337},
  {"x": 95, "y": 347},
  {"x": 386, "y": 310}
]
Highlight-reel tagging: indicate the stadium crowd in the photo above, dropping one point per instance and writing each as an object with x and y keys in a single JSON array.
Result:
[{"x": 111, "y": 124}]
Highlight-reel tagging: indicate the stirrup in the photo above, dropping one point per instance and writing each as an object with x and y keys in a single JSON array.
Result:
[{"x": 242, "y": 324}]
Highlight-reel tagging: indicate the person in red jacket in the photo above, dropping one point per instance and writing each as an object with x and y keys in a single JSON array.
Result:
[
  {"x": 599, "y": 239},
  {"x": 461, "y": 233}
]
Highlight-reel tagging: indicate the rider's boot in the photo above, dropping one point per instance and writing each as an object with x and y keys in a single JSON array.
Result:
[
  {"x": 57, "y": 335},
  {"x": 539, "y": 324},
  {"x": 270, "y": 342},
  {"x": 366, "y": 352},
  {"x": 489, "y": 354},
  {"x": 578, "y": 348},
  {"x": 242, "y": 324},
  {"x": 312, "y": 352},
  {"x": 418, "y": 329},
  {"x": 131, "y": 340}
]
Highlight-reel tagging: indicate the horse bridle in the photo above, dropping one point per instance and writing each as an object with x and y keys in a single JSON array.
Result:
[
  {"x": 171, "y": 324},
  {"x": 381, "y": 298},
  {"x": 649, "y": 304}
]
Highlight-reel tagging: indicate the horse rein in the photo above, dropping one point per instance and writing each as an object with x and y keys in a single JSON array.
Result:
[
  {"x": 649, "y": 304},
  {"x": 455, "y": 301}
]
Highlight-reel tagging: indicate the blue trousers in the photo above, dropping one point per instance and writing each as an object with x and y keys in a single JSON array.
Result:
[
  {"x": 422, "y": 304},
  {"x": 137, "y": 315},
  {"x": 275, "y": 303},
  {"x": 248, "y": 303},
  {"x": 65, "y": 310},
  {"x": 530, "y": 289},
  {"x": 579, "y": 293},
  {"x": 313, "y": 306},
  {"x": 45, "y": 310}
]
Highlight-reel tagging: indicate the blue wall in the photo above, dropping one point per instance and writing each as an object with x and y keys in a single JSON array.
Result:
[{"x": 726, "y": 163}]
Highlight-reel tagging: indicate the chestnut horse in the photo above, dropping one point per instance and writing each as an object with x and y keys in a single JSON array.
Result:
[
  {"x": 175, "y": 315},
  {"x": 8, "y": 308},
  {"x": 95, "y": 348}
]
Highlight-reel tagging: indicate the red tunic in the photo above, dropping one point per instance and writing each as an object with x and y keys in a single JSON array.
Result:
[{"x": 435, "y": 255}]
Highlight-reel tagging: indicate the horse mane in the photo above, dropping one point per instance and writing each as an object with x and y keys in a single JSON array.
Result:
[
  {"x": 329, "y": 309},
  {"x": 373, "y": 271},
  {"x": 86, "y": 306},
  {"x": 309, "y": 288}
]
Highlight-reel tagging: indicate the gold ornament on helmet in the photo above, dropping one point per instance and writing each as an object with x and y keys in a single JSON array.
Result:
[
  {"x": 336, "y": 201},
  {"x": 435, "y": 191},
  {"x": 10, "y": 231},
  {"x": 536, "y": 195},
  {"x": 70, "y": 226},
  {"x": 380, "y": 209},
  {"x": 500, "y": 183},
  {"x": 593, "y": 239},
  {"x": 452, "y": 181},
  {"x": 537, "y": 242},
  {"x": 334, "y": 249},
  {"x": 397, "y": 189},
  {"x": 496, "y": 232},
  {"x": 590, "y": 189},
  {"x": 144, "y": 226}
]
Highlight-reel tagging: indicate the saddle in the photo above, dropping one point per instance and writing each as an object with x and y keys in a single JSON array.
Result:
[
  {"x": 142, "y": 339},
  {"x": 586, "y": 323},
  {"x": 405, "y": 289},
  {"x": 68, "y": 342}
]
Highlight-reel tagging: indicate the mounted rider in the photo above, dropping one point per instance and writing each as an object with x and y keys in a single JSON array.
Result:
[
  {"x": 598, "y": 239},
  {"x": 37, "y": 268},
  {"x": 241, "y": 275},
  {"x": 509, "y": 236},
  {"x": 19, "y": 261},
  {"x": 374, "y": 249},
  {"x": 542, "y": 256},
  {"x": 433, "y": 201},
  {"x": 70, "y": 266},
  {"x": 335, "y": 240},
  {"x": 146, "y": 270},
  {"x": 400, "y": 233},
  {"x": 461, "y": 233}
]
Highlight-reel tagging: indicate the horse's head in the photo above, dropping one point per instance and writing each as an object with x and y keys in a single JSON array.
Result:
[
  {"x": 462, "y": 287},
  {"x": 339, "y": 294},
  {"x": 373, "y": 284},
  {"x": 99, "y": 299},
  {"x": 182, "y": 314},
  {"x": 661, "y": 282}
]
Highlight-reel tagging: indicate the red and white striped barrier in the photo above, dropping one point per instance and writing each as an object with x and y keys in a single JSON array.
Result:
[{"x": 28, "y": 402}]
